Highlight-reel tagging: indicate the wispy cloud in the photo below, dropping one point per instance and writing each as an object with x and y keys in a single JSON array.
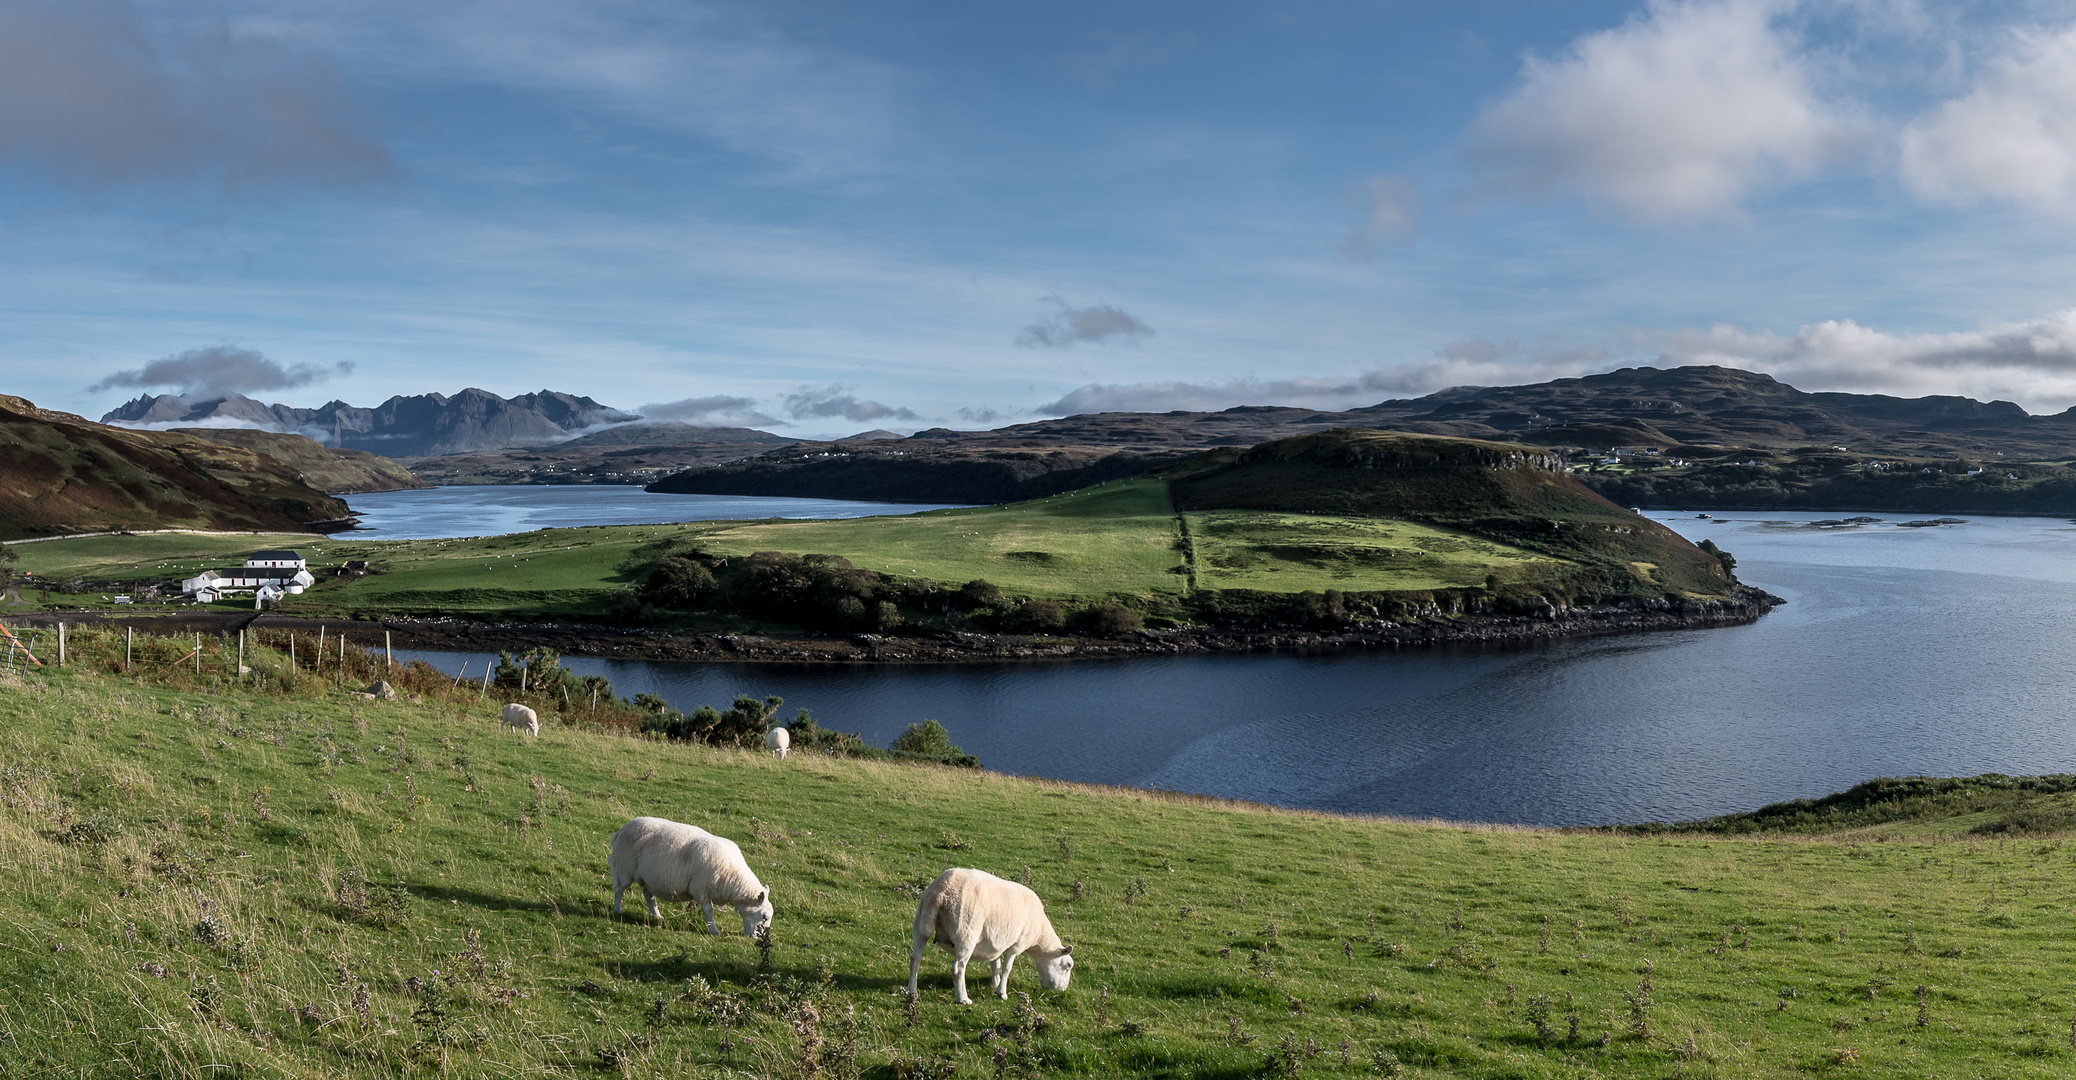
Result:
[
  {"x": 91, "y": 93},
  {"x": 1387, "y": 208},
  {"x": 1109, "y": 54},
  {"x": 1069, "y": 326},
  {"x": 716, "y": 71},
  {"x": 838, "y": 401},
  {"x": 221, "y": 369},
  {"x": 719, "y": 410},
  {"x": 1679, "y": 113}
]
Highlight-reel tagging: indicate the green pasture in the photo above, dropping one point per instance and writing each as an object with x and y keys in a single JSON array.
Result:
[
  {"x": 271, "y": 878},
  {"x": 146, "y": 555},
  {"x": 1115, "y": 538},
  {"x": 1270, "y": 552}
]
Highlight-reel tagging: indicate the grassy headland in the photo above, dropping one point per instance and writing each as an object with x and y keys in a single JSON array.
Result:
[
  {"x": 270, "y": 877},
  {"x": 1322, "y": 531}
]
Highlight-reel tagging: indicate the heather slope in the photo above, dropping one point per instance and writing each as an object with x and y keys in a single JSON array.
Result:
[{"x": 62, "y": 474}]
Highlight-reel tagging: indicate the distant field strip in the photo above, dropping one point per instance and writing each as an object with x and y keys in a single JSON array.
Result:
[
  {"x": 1116, "y": 538},
  {"x": 1241, "y": 549}
]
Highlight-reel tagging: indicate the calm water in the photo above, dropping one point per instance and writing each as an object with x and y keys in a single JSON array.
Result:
[
  {"x": 1942, "y": 651},
  {"x": 443, "y": 512}
]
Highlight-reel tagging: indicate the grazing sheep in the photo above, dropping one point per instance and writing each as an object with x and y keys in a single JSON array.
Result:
[
  {"x": 521, "y": 717},
  {"x": 976, "y": 914},
  {"x": 674, "y": 861},
  {"x": 779, "y": 740}
]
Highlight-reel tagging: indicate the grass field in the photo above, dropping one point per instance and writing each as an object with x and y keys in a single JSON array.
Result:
[
  {"x": 1115, "y": 538},
  {"x": 1118, "y": 539},
  {"x": 1241, "y": 549},
  {"x": 203, "y": 880}
]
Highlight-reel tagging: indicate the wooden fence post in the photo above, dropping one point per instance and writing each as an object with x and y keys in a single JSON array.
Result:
[
  {"x": 61, "y": 644},
  {"x": 198, "y": 654},
  {"x": 129, "y": 644},
  {"x": 241, "y": 654},
  {"x": 388, "y": 655}
]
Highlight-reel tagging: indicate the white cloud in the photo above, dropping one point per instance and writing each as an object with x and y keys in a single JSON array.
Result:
[
  {"x": 221, "y": 369},
  {"x": 2032, "y": 363},
  {"x": 834, "y": 401},
  {"x": 718, "y": 410},
  {"x": 1678, "y": 114},
  {"x": 2011, "y": 136},
  {"x": 1069, "y": 326}
]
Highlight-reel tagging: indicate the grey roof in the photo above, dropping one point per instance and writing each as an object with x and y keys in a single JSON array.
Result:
[{"x": 277, "y": 555}]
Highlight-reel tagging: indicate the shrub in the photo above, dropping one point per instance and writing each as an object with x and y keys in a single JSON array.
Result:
[
  {"x": 678, "y": 583},
  {"x": 928, "y": 741},
  {"x": 1110, "y": 620},
  {"x": 1041, "y": 615},
  {"x": 978, "y": 593}
]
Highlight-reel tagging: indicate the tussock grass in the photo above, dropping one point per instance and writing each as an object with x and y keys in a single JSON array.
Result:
[{"x": 281, "y": 879}]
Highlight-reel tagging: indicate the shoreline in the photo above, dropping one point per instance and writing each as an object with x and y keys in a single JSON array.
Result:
[{"x": 1744, "y": 605}]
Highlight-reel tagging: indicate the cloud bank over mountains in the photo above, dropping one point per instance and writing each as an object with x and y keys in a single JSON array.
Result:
[{"x": 221, "y": 369}]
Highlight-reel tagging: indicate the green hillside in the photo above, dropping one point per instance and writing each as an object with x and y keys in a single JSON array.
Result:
[{"x": 273, "y": 878}]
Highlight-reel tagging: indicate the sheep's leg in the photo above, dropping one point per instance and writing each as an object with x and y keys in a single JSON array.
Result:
[
  {"x": 706, "y": 908},
  {"x": 1002, "y": 975},
  {"x": 619, "y": 890},
  {"x": 915, "y": 961},
  {"x": 655, "y": 912},
  {"x": 959, "y": 961}
]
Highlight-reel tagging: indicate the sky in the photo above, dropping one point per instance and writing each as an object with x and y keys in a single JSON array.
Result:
[{"x": 820, "y": 217}]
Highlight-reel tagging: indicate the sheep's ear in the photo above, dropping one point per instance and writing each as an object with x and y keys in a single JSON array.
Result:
[
  {"x": 1068, "y": 951},
  {"x": 763, "y": 896}
]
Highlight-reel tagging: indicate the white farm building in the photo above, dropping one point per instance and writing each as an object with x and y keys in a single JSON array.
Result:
[{"x": 268, "y": 574}]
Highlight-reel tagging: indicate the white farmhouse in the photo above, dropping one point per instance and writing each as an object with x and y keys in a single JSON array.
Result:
[{"x": 275, "y": 573}]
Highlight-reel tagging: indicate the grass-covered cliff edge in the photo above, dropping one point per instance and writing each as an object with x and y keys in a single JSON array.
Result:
[{"x": 268, "y": 877}]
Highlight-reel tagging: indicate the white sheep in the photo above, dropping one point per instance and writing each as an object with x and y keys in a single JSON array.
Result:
[
  {"x": 674, "y": 861},
  {"x": 521, "y": 717},
  {"x": 973, "y": 913},
  {"x": 779, "y": 740}
]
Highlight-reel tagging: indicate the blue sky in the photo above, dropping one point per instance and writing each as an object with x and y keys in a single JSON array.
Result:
[{"x": 820, "y": 217}]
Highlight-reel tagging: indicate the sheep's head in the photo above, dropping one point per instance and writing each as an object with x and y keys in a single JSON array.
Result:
[
  {"x": 755, "y": 915},
  {"x": 1055, "y": 970}
]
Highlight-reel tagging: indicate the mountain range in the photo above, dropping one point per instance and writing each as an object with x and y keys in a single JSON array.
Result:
[{"x": 421, "y": 425}]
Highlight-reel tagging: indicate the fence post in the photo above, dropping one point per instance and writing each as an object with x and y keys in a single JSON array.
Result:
[
  {"x": 241, "y": 654},
  {"x": 129, "y": 645},
  {"x": 318, "y": 662},
  {"x": 61, "y": 644},
  {"x": 388, "y": 655},
  {"x": 198, "y": 654},
  {"x": 291, "y": 650}
]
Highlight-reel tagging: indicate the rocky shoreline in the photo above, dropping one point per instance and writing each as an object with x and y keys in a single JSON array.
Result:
[{"x": 1743, "y": 605}]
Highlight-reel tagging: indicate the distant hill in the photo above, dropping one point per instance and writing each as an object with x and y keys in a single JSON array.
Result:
[
  {"x": 1712, "y": 418},
  {"x": 61, "y": 473},
  {"x": 621, "y": 454},
  {"x": 901, "y": 471},
  {"x": 340, "y": 472},
  {"x": 421, "y": 425}
]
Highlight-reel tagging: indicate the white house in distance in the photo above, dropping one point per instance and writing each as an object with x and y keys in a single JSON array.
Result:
[{"x": 269, "y": 574}]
